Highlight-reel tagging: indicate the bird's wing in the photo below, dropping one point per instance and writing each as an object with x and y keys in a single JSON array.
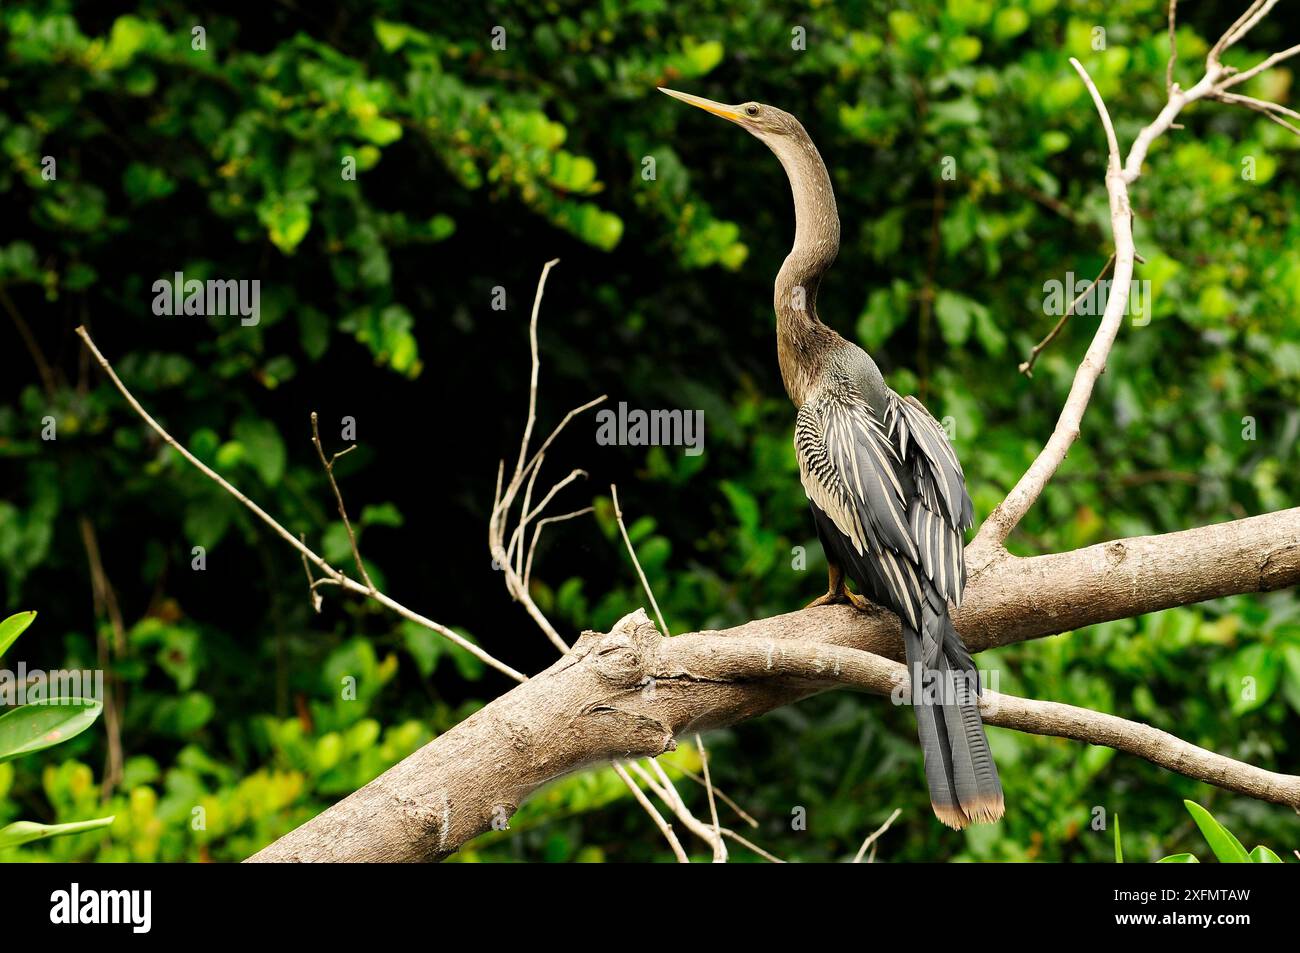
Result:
[
  {"x": 941, "y": 508},
  {"x": 853, "y": 472}
]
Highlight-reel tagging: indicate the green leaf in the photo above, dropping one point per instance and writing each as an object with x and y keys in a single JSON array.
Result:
[
  {"x": 381, "y": 514},
  {"x": 886, "y": 311},
  {"x": 378, "y": 130},
  {"x": 1253, "y": 677},
  {"x": 1119, "y": 851},
  {"x": 286, "y": 222},
  {"x": 905, "y": 26},
  {"x": 32, "y": 728},
  {"x": 1226, "y": 847},
  {"x": 1179, "y": 859},
  {"x": 313, "y": 332},
  {"x": 144, "y": 183},
  {"x": 743, "y": 505},
  {"x": 703, "y": 56},
  {"x": 986, "y": 329},
  {"x": 24, "y": 832},
  {"x": 391, "y": 36},
  {"x": 13, "y": 627},
  {"x": 1262, "y": 855},
  {"x": 954, "y": 313},
  {"x": 183, "y": 715},
  {"x": 423, "y": 646},
  {"x": 1011, "y": 21},
  {"x": 265, "y": 448}
]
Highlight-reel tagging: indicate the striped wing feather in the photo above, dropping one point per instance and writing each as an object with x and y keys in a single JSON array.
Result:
[
  {"x": 894, "y": 490},
  {"x": 941, "y": 510}
]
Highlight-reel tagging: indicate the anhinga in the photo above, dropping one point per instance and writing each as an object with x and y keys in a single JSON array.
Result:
[{"x": 887, "y": 492}]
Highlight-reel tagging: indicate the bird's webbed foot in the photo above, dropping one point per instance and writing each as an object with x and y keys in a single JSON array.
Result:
[
  {"x": 861, "y": 603},
  {"x": 837, "y": 592},
  {"x": 828, "y": 599},
  {"x": 841, "y": 596}
]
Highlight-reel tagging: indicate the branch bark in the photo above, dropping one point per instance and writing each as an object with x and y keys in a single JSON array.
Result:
[{"x": 630, "y": 693}]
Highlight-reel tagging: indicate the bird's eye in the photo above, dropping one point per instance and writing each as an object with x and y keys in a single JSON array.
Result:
[{"x": 751, "y": 110}]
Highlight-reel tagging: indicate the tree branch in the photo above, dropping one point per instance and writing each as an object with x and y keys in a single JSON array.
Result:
[
  {"x": 1119, "y": 175},
  {"x": 591, "y": 705},
  {"x": 335, "y": 576}
]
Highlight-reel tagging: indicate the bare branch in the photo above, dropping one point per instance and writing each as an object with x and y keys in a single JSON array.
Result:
[
  {"x": 589, "y": 707},
  {"x": 536, "y": 364},
  {"x": 664, "y": 827},
  {"x": 766, "y": 855},
  {"x": 48, "y": 380},
  {"x": 1254, "y": 13},
  {"x": 509, "y": 556},
  {"x": 722, "y": 796},
  {"x": 1027, "y": 367},
  {"x": 1173, "y": 47},
  {"x": 676, "y": 804},
  {"x": 1254, "y": 71},
  {"x": 317, "y": 600},
  {"x": 708, "y": 787},
  {"x": 747, "y": 658},
  {"x": 328, "y": 466},
  {"x": 335, "y": 576},
  {"x": 517, "y": 567},
  {"x": 1120, "y": 174},
  {"x": 875, "y": 835},
  {"x": 1272, "y": 111},
  {"x": 106, "y": 605},
  {"x": 636, "y": 563},
  {"x": 663, "y": 786},
  {"x": 537, "y": 532}
]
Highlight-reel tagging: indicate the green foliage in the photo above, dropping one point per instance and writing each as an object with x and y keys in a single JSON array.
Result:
[
  {"x": 1225, "y": 846},
  {"x": 383, "y": 172},
  {"x": 32, "y": 727},
  {"x": 13, "y": 627}
]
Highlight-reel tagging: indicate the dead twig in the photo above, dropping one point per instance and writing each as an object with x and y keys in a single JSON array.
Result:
[
  {"x": 1027, "y": 367},
  {"x": 875, "y": 835},
  {"x": 328, "y": 466},
  {"x": 336, "y": 577},
  {"x": 1121, "y": 172}
]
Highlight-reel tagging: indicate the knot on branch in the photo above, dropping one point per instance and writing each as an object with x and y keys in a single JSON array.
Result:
[
  {"x": 1279, "y": 568},
  {"x": 425, "y": 818},
  {"x": 624, "y": 716},
  {"x": 627, "y": 655}
]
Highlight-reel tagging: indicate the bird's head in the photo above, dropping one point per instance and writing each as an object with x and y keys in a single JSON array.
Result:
[{"x": 767, "y": 123}]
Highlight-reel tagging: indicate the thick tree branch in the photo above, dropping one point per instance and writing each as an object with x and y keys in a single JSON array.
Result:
[{"x": 631, "y": 693}]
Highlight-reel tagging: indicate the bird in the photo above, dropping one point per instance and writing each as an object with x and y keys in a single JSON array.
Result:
[{"x": 886, "y": 490}]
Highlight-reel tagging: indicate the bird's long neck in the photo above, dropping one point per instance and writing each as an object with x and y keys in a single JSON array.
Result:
[{"x": 802, "y": 340}]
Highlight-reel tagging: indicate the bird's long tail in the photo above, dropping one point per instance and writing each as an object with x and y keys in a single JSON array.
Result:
[{"x": 959, "y": 768}]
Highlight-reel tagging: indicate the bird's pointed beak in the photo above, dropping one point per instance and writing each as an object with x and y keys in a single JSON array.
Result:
[{"x": 708, "y": 105}]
